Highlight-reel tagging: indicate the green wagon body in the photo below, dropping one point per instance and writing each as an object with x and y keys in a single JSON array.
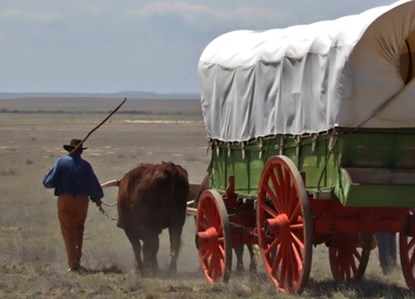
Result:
[{"x": 359, "y": 167}]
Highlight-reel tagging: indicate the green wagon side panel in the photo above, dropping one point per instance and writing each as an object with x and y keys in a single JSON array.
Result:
[
  {"x": 325, "y": 162},
  {"x": 380, "y": 196},
  {"x": 378, "y": 148},
  {"x": 377, "y": 189},
  {"x": 236, "y": 167},
  {"x": 256, "y": 164},
  {"x": 377, "y": 168},
  {"x": 218, "y": 170},
  {"x": 244, "y": 165}
]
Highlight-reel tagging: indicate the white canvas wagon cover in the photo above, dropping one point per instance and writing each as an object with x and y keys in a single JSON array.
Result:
[{"x": 354, "y": 71}]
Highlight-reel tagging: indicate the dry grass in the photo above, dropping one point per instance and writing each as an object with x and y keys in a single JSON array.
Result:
[{"x": 32, "y": 256}]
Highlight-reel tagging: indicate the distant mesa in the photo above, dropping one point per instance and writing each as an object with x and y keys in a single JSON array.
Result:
[{"x": 128, "y": 94}]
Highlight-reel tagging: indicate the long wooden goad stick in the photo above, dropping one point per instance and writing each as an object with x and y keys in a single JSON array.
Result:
[{"x": 100, "y": 124}]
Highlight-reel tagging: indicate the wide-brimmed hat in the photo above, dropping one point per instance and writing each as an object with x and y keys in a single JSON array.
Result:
[{"x": 72, "y": 144}]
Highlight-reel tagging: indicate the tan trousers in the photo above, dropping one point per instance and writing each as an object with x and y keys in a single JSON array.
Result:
[{"x": 72, "y": 212}]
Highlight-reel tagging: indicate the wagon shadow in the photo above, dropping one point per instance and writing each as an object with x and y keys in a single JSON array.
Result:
[
  {"x": 197, "y": 274},
  {"x": 360, "y": 289}
]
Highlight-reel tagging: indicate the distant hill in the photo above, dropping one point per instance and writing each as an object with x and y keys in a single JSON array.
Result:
[{"x": 128, "y": 94}]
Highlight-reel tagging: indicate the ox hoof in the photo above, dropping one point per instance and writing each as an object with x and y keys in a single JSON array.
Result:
[
  {"x": 172, "y": 270},
  {"x": 172, "y": 273},
  {"x": 120, "y": 225},
  {"x": 240, "y": 269}
]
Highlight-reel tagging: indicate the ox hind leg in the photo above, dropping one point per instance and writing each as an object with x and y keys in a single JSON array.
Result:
[
  {"x": 175, "y": 233},
  {"x": 253, "y": 255},
  {"x": 239, "y": 251},
  {"x": 151, "y": 245},
  {"x": 135, "y": 243}
]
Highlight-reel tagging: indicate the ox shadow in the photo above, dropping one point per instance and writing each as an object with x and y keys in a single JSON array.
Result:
[
  {"x": 163, "y": 274},
  {"x": 106, "y": 270}
]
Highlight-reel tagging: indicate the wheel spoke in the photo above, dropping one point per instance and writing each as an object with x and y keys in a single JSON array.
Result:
[
  {"x": 274, "y": 180},
  {"x": 288, "y": 189},
  {"x": 219, "y": 269},
  {"x": 411, "y": 244},
  {"x": 277, "y": 260},
  {"x": 291, "y": 267},
  {"x": 213, "y": 216},
  {"x": 274, "y": 197},
  {"x": 272, "y": 246},
  {"x": 211, "y": 267},
  {"x": 277, "y": 263},
  {"x": 352, "y": 263},
  {"x": 283, "y": 263},
  {"x": 282, "y": 187},
  {"x": 203, "y": 224},
  {"x": 347, "y": 266},
  {"x": 222, "y": 262},
  {"x": 269, "y": 210},
  {"x": 297, "y": 241},
  {"x": 295, "y": 213},
  {"x": 293, "y": 201},
  {"x": 222, "y": 250},
  {"x": 297, "y": 226},
  {"x": 356, "y": 254},
  {"x": 206, "y": 255},
  {"x": 297, "y": 260}
]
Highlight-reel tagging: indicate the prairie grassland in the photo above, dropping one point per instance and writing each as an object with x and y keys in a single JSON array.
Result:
[{"x": 32, "y": 256}]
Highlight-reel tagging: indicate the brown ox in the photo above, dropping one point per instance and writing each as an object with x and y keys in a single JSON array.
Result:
[{"x": 152, "y": 197}]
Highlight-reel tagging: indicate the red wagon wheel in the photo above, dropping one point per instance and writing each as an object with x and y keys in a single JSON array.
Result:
[
  {"x": 348, "y": 262},
  {"x": 407, "y": 253},
  {"x": 213, "y": 237},
  {"x": 284, "y": 225}
]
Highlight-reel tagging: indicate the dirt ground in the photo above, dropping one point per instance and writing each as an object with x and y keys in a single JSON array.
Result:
[{"x": 32, "y": 134}]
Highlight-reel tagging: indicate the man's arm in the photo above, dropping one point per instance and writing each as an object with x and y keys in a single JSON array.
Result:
[
  {"x": 51, "y": 179},
  {"x": 96, "y": 192}
]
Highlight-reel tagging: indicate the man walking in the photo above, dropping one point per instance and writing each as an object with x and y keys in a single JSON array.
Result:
[{"x": 75, "y": 183}]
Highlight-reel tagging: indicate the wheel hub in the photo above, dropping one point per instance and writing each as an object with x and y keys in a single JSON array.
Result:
[
  {"x": 207, "y": 239},
  {"x": 279, "y": 225}
]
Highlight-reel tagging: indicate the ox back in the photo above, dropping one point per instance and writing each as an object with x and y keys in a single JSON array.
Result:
[{"x": 154, "y": 194}]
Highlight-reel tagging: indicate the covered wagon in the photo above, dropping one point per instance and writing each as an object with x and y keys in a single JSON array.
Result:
[{"x": 312, "y": 135}]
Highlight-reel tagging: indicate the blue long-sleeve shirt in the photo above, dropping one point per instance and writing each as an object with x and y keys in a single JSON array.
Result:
[{"x": 73, "y": 175}]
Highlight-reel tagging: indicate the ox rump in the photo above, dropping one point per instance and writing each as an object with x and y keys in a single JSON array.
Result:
[{"x": 152, "y": 197}]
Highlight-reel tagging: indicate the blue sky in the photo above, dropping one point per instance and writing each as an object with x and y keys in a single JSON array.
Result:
[{"x": 130, "y": 45}]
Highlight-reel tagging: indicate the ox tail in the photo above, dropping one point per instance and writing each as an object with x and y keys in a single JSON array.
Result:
[
  {"x": 112, "y": 183},
  {"x": 175, "y": 182}
]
